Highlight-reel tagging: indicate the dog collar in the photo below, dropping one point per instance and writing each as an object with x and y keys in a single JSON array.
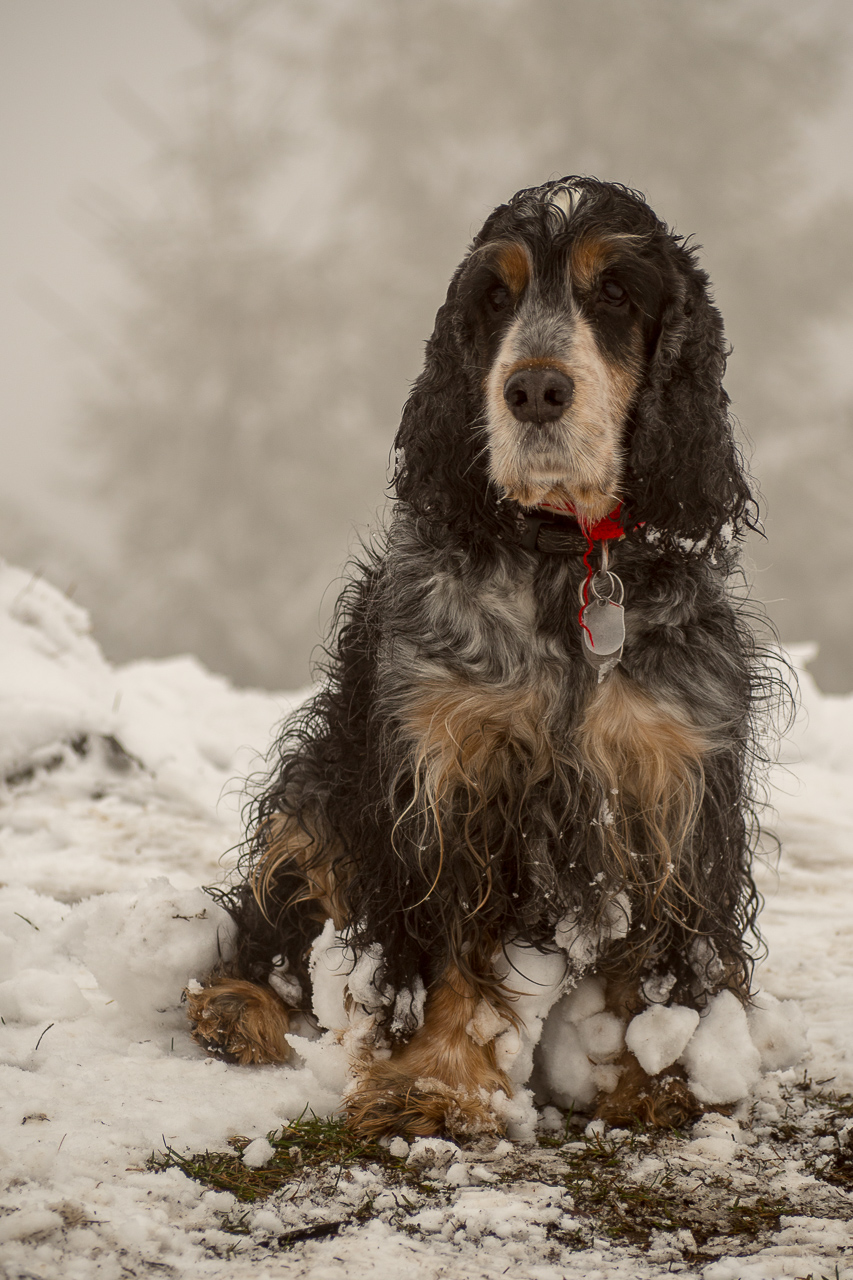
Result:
[{"x": 556, "y": 530}]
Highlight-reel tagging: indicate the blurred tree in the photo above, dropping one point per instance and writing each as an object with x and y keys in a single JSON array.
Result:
[
  {"x": 302, "y": 229},
  {"x": 214, "y": 418}
]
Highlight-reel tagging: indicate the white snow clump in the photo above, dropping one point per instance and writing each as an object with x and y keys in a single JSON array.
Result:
[
  {"x": 722, "y": 1062},
  {"x": 778, "y": 1031},
  {"x": 258, "y": 1153},
  {"x": 658, "y": 1036}
]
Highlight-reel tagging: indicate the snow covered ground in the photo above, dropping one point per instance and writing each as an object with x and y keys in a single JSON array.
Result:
[{"x": 119, "y": 800}]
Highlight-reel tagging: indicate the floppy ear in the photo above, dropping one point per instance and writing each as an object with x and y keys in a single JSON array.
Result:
[
  {"x": 686, "y": 482},
  {"x": 441, "y": 445}
]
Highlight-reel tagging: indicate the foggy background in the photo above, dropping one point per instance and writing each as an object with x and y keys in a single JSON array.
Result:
[{"x": 227, "y": 227}]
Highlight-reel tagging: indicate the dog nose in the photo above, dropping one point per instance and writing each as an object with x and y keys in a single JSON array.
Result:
[{"x": 538, "y": 395}]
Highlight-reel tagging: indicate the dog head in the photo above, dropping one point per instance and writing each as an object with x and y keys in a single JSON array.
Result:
[{"x": 577, "y": 363}]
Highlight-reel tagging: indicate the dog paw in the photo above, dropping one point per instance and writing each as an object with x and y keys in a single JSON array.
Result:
[
  {"x": 385, "y": 1104},
  {"x": 664, "y": 1101},
  {"x": 239, "y": 1021}
]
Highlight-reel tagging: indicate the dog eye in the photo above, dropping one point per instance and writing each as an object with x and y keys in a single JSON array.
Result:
[
  {"x": 613, "y": 293},
  {"x": 498, "y": 297}
]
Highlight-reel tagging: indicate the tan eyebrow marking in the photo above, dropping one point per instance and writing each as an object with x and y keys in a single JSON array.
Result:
[
  {"x": 513, "y": 261},
  {"x": 588, "y": 257}
]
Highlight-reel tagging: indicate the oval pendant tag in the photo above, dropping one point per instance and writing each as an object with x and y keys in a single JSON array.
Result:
[
  {"x": 603, "y": 626},
  {"x": 605, "y": 623}
]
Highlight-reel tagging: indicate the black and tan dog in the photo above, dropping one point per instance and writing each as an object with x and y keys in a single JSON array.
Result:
[{"x": 490, "y": 759}]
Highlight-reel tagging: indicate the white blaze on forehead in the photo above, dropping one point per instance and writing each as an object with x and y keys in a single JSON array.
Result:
[{"x": 564, "y": 199}]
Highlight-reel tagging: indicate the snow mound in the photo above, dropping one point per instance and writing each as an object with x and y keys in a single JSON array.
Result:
[
  {"x": 144, "y": 948},
  {"x": 54, "y": 682},
  {"x": 37, "y": 995},
  {"x": 189, "y": 729}
]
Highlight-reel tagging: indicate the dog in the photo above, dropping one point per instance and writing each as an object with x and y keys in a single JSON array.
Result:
[{"x": 537, "y": 725}]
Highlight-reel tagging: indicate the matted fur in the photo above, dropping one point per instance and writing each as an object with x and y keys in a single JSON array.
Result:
[{"x": 462, "y": 781}]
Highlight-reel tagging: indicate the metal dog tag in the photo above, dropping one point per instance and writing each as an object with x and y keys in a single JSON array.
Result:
[{"x": 603, "y": 623}]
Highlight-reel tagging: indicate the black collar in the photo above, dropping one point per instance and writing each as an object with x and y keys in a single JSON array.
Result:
[{"x": 552, "y": 533}]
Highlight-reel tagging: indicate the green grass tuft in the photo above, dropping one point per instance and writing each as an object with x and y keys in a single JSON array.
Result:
[{"x": 309, "y": 1142}]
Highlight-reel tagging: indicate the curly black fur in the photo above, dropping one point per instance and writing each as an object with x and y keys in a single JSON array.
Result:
[{"x": 525, "y": 836}]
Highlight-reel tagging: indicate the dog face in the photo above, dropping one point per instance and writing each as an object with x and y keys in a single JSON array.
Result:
[{"x": 562, "y": 308}]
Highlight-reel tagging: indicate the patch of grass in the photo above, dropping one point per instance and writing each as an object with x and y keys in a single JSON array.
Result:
[
  {"x": 756, "y": 1215},
  {"x": 598, "y": 1175},
  {"x": 623, "y": 1208},
  {"x": 309, "y": 1143},
  {"x": 835, "y": 1165}
]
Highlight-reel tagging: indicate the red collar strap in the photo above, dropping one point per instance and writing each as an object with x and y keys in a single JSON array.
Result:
[
  {"x": 558, "y": 531},
  {"x": 609, "y": 527}
]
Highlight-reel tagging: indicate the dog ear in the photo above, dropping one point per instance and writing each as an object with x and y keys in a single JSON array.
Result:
[
  {"x": 686, "y": 482},
  {"x": 440, "y": 446}
]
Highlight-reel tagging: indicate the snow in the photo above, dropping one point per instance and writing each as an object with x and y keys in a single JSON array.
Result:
[
  {"x": 577, "y": 1040},
  {"x": 143, "y": 947},
  {"x": 120, "y": 803},
  {"x": 778, "y": 1031},
  {"x": 258, "y": 1153},
  {"x": 658, "y": 1036},
  {"x": 722, "y": 1063}
]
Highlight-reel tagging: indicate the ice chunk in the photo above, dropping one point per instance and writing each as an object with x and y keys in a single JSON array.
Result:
[
  {"x": 486, "y": 1024},
  {"x": 602, "y": 1036},
  {"x": 536, "y": 979},
  {"x": 330, "y": 967},
  {"x": 365, "y": 984},
  {"x": 586, "y": 999},
  {"x": 431, "y": 1153},
  {"x": 258, "y": 1154},
  {"x": 409, "y": 1004},
  {"x": 567, "y": 1076},
  {"x": 326, "y": 1058},
  {"x": 286, "y": 985},
  {"x": 518, "y": 1114},
  {"x": 582, "y": 944}
]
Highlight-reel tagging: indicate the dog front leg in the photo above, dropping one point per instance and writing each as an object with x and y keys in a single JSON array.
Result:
[{"x": 443, "y": 1079}]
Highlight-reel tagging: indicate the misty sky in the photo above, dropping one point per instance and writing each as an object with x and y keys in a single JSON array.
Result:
[{"x": 62, "y": 67}]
